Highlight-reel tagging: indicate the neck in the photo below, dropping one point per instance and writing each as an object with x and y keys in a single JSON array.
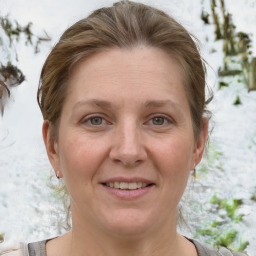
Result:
[
  {"x": 92, "y": 244},
  {"x": 85, "y": 240}
]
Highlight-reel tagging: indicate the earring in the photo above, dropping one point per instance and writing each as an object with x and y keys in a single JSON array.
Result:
[
  {"x": 194, "y": 171},
  {"x": 58, "y": 175}
]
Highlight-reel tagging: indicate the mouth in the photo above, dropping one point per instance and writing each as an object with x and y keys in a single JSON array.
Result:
[
  {"x": 128, "y": 188},
  {"x": 127, "y": 185}
]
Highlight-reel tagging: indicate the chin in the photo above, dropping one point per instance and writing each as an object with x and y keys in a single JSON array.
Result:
[{"x": 129, "y": 223}]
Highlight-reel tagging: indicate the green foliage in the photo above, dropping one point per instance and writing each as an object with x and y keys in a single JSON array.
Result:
[
  {"x": 222, "y": 221},
  {"x": 11, "y": 75},
  {"x": 231, "y": 206},
  {"x": 205, "y": 17},
  {"x": 212, "y": 160},
  {"x": 215, "y": 200},
  {"x": 253, "y": 196},
  {"x": 215, "y": 155},
  {"x": 216, "y": 223},
  {"x": 1, "y": 237},
  {"x": 227, "y": 238},
  {"x": 237, "y": 101},
  {"x": 14, "y": 30},
  {"x": 236, "y": 46},
  {"x": 221, "y": 236},
  {"x": 223, "y": 84},
  {"x": 222, "y": 231},
  {"x": 213, "y": 50},
  {"x": 241, "y": 246}
]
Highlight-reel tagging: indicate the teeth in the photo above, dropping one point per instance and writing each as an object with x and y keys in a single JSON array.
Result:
[
  {"x": 132, "y": 185},
  {"x": 143, "y": 185},
  {"x": 116, "y": 184},
  {"x": 126, "y": 185}
]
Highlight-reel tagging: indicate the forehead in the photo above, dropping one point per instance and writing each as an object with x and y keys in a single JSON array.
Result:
[{"x": 133, "y": 74}]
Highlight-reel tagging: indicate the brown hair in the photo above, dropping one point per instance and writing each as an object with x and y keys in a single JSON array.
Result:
[{"x": 124, "y": 25}]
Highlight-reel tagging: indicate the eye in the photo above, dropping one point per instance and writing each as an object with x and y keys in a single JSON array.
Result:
[
  {"x": 159, "y": 120},
  {"x": 97, "y": 120},
  {"x": 93, "y": 121}
]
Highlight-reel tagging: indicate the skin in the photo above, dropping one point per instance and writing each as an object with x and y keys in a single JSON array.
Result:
[{"x": 126, "y": 115}]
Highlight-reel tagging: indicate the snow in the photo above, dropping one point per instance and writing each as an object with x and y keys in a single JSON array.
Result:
[{"x": 28, "y": 208}]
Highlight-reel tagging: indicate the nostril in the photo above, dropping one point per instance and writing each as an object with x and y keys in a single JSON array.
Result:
[{"x": 128, "y": 150}]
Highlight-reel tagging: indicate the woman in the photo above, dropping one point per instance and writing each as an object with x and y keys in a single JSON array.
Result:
[{"x": 123, "y": 99}]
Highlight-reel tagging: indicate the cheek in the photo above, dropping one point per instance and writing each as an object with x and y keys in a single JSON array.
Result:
[
  {"x": 78, "y": 165},
  {"x": 173, "y": 160},
  {"x": 176, "y": 153},
  {"x": 80, "y": 156}
]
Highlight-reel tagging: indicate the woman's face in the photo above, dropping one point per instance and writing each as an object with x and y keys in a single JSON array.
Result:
[{"x": 126, "y": 143}]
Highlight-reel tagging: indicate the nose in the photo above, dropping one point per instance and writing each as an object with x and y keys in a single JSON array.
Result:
[{"x": 128, "y": 147}]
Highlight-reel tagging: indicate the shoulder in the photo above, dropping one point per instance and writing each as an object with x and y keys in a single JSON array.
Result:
[
  {"x": 225, "y": 252},
  {"x": 205, "y": 251},
  {"x": 26, "y": 249},
  {"x": 18, "y": 250}
]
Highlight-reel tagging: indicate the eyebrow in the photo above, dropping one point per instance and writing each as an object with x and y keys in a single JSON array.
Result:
[
  {"x": 107, "y": 104},
  {"x": 98, "y": 103},
  {"x": 159, "y": 103}
]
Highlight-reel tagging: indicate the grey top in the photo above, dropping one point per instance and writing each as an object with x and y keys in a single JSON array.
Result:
[{"x": 38, "y": 249}]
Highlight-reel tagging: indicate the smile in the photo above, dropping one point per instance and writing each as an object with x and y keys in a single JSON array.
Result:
[
  {"x": 127, "y": 185},
  {"x": 128, "y": 188}
]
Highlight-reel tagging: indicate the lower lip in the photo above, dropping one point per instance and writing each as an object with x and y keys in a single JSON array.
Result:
[{"x": 128, "y": 194}]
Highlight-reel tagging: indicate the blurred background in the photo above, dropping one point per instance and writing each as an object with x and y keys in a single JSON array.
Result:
[{"x": 223, "y": 193}]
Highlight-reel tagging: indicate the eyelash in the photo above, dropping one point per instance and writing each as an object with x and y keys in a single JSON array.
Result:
[
  {"x": 167, "y": 120},
  {"x": 88, "y": 120}
]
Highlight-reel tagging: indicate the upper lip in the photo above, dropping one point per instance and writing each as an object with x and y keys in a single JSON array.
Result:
[{"x": 127, "y": 179}]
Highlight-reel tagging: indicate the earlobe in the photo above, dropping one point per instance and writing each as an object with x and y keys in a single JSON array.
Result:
[
  {"x": 201, "y": 142},
  {"x": 51, "y": 147}
]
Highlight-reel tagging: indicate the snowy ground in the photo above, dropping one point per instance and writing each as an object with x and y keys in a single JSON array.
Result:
[{"x": 28, "y": 209}]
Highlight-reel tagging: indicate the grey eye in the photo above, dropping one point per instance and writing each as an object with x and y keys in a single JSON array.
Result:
[
  {"x": 96, "y": 120},
  {"x": 158, "y": 120}
]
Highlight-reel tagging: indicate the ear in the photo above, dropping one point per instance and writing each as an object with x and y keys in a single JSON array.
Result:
[
  {"x": 51, "y": 148},
  {"x": 200, "y": 144}
]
